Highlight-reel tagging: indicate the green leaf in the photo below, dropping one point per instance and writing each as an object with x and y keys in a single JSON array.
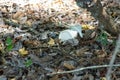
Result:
[
  {"x": 28, "y": 63},
  {"x": 102, "y": 38},
  {"x": 8, "y": 41},
  {"x": 9, "y": 47},
  {"x": 9, "y": 44}
]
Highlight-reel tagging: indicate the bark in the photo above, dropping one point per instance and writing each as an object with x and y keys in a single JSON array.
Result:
[{"x": 99, "y": 13}]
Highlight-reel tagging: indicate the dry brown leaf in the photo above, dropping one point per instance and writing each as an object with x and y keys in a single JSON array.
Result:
[
  {"x": 93, "y": 34},
  {"x": 100, "y": 53},
  {"x": 36, "y": 16},
  {"x": 18, "y": 15},
  {"x": 81, "y": 51},
  {"x": 32, "y": 43},
  {"x": 30, "y": 12},
  {"x": 22, "y": 20},
  {"x": 68, "y": 66},
  {"x": 15, "y": 21},
  {"x": 29, "y": 23},
  {"x": 2, "y": 47},
  {"x": 55, "y": 77},
  {"x": 13, "y": 79},
  {"x": 3, "y": 10},
  {"x": 103, "y": 78}
]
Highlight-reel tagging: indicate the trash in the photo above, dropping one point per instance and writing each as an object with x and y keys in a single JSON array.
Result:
[
  {"x": 78, "y": 28},
  {"x": 67, "y": 34},
  {"x": 71, "y": 33}
]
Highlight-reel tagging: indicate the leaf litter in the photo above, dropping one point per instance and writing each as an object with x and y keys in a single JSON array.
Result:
[{"x": 32, "y": 32}]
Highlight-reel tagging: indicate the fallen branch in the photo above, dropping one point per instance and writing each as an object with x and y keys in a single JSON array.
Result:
[
  {"x": 84, "y": 68},
  {"x": 117, "y": 49}
]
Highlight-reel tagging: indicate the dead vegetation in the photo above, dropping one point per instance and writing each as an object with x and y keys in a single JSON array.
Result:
[{"x": 30, "y": 47}]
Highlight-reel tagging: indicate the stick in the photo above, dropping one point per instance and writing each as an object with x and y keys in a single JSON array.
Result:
[
  {"x": 84, "y": 68},
  {"x": 117, "y": 49}
]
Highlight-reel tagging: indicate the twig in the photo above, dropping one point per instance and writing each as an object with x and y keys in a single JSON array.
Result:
[
  {"x": 117, "y": 49},
  {"x": 80, "y": 69}
]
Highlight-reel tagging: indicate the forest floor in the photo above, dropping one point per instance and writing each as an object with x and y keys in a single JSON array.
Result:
[{"x": 30, "y": 47}]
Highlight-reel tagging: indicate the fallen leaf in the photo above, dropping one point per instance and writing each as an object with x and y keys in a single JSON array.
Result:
[
  {"x": 9, "y": 41},
  {"x": 86, "y": 27},
  {"x": 68, "y": 66},
  {"x": 14, "y": 21},
  {"x": 103, "y": 78},
  {"x": 18, "y": 14},
  {"x": 101, "y": 53},
  {"x": 93, "y": 34},
  {"x": 9, "y": 47},
  {"x": 9, "y": 44},
  {"x": 30, "y": 11},
  {"x": 23, "y": 52},
  {"x": 13, "y": 79},
  {"x": 29, "y": 23},
  {"x": 28, "y": 63},
  {"x": 55, "y": 77},
  {"x": 2, "y": 47},
  {"x": 51, "y": 42},
  {"x": 22, "y": 20},
  {"x": 81, "y": 51}
]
